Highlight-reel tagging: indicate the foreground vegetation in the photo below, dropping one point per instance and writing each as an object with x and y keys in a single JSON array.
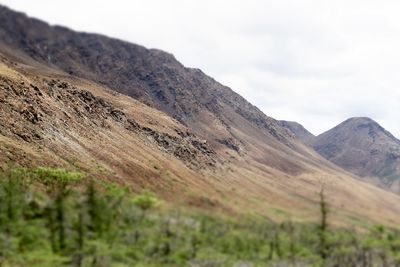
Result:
[{"x": 51, "y": 217}]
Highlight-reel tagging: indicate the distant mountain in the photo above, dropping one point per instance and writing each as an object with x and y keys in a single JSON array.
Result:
[
  {"x": 136, "y": 116},
  {"x": 298, "y": 130},
  {"x": 359, "y": 145},
  {"x": 363, "y": 147}
]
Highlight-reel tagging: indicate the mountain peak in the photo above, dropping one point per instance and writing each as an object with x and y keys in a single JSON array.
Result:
[
  {"x": 364, "y": 125},
  {"x": 363, "y": 147},
  {"x": 359, "y": 120}
]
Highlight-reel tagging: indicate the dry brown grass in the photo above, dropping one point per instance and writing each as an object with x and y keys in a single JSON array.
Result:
[{"x": 266, "y": 178}]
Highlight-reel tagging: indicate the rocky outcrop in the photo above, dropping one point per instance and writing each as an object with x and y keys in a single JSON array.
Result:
[
  {"x": 32, "y": 118},
  {"x": 230, "y": 143}
]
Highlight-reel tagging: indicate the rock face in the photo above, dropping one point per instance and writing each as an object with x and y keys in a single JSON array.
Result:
[
  {"x": 363, "y": 147},
  {"x": 27, "y": 114}
]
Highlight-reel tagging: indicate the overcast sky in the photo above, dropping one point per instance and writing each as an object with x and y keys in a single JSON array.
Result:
[{"x": 315, "y": 62}]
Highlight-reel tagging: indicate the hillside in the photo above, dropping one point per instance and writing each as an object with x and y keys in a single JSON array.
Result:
[
  {"x": 136, "y": 116},
  {"x": 360, "y": 146},
  {"x": 152, "y": 76},
  {"x": 363, "y": 147},
  {"x": 299, "y": 131}
]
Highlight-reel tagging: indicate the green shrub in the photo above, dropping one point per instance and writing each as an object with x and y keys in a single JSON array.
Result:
[
  {"x": 102, "y": 226},
  {"x": 146, "y": 201},
  {"x": 50, "y": 176}
]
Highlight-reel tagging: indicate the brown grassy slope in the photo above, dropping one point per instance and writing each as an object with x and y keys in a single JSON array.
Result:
[
  {"x": 65, "y": 121},
  {"x": 151, "y": 76},
  {"x": 248, "y": 164}
]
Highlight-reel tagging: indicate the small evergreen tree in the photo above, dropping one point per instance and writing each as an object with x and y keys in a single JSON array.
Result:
[
  {"x": 59, "y": 181},
  {"x": 145, "y": 202},
  {"x": 95, "y": 209},
  {"x": 323, "y": 226}
]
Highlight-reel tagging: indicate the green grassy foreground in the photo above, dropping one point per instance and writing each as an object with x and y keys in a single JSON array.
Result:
[{"x": 51, "y": 217}]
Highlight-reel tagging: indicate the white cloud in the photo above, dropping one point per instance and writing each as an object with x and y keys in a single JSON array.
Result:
[{"x": 314, "y": 61}]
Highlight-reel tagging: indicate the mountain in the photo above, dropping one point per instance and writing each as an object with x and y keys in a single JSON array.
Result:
[
  {"x": 358, "y": 145},
  {"x": 298, "y": 130},
  {"x": 152, "y": 76},
  {"x": 156, "y": 78},
  {"x": 136, "y": 116},
  {"x": 363, "y": 147}
]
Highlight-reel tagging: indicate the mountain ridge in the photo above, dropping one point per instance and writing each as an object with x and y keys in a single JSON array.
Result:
[
  {"x": 137, "y": 81},
  {"x": 134, "y": 116}
]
